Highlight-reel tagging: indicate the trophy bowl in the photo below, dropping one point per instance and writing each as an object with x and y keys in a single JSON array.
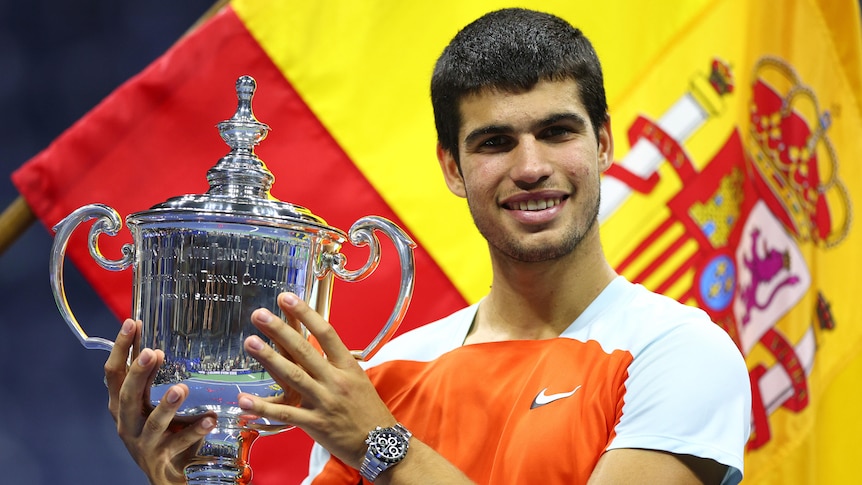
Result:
[{"x": 203, "y": 263}]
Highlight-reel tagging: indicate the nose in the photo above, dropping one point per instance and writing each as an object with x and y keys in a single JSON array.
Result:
[{"x": 530, "y": 163}]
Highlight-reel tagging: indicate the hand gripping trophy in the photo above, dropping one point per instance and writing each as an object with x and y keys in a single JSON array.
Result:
[{"x": 203, "y": 263}]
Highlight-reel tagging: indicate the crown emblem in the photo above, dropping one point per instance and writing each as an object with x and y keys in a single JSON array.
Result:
[{"x": 794, "y": 161}]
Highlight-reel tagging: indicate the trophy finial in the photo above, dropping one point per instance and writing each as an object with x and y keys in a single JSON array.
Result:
[
  {"x": 240, "y": 172},
  {"x": 243, "y": 131}
]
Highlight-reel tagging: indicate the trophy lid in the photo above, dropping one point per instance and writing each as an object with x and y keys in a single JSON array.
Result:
[{"x": 240, "y": 182}]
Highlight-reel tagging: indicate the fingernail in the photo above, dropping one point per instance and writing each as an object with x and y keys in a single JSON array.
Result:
[
  {"x": 289, "y": 299},
  {"x": 128, "y": 327},
  {"x": 208, "y": 423},
  {"x": 246, "y": 403},
  {"x": 255, "y": 342},
  {"x": 172, "y": 396},
  {"x": 263, "y": 315},
  {"x": 145, "y": 358}
]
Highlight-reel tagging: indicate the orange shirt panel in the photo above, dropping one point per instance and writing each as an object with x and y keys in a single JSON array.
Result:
[{"x": 476, "y": 405}]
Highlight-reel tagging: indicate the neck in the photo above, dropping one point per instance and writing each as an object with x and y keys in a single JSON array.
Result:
[{"x": 540, "y": 300}]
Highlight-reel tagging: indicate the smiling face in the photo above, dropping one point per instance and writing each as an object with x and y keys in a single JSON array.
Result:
[{"x": 529, "y": 168}]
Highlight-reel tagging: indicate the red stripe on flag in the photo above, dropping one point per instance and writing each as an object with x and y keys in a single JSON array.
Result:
[
  {"x": 646, "y": 243},
  {"x": 662, "y": 258},
  {"x": 677, "y": 274},
  {"x": 155, "y": 138}
]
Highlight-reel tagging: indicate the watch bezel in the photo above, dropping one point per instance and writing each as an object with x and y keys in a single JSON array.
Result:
[{"x": 402, "y": 436}]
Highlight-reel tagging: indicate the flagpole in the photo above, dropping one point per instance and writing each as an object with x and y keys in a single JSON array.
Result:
[
  {"x": 14, "y": 220},
  {"x": 214, "y": 9}
]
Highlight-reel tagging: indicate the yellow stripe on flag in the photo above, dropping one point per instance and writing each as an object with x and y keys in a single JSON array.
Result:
[
  {"x": 364, "y": 69},
  {"x": 727, "y": 222}
]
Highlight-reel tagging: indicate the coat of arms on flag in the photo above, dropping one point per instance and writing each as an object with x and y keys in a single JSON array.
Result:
[
  {"x": 769, "y": 191},
  {"x": 737, "y": 197}
]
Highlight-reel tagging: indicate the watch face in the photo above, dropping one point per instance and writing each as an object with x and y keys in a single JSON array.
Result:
[{"x": 389, "y": 446}]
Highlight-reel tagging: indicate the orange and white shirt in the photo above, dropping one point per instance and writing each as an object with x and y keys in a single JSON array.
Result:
[{"x": 635, "y": 370}]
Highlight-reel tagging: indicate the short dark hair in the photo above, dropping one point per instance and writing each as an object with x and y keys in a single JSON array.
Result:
[{"x": 512, "y": 50}]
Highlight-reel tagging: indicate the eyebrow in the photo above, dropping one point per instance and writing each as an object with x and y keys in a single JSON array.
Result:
[
  {"x": 486, "y": 130},
  {"x": 567, "y": 116},
  {"x": 576, "y": 118}
]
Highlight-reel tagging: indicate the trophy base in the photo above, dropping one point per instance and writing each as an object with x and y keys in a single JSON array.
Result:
[
  {"x": 223, "y": 456},
  {"x": 227, "y": 473}
]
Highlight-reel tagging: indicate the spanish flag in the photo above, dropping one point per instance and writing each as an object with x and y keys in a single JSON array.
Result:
[{"x": 737, "y": 171}]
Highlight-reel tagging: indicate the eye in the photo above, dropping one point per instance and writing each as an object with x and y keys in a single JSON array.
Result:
[
  {"x": 556, "y": 132},
  {"x": 494, "y": 143}
]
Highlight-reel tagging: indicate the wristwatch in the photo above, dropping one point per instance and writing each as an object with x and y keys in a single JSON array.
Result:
[{"x": 386, "y": 447}]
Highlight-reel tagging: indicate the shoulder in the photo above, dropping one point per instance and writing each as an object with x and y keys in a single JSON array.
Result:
[
  {"x": 664, "y": 335},
  {"x": 688, "y": 390},
  {"x": 629, "y": 317},
  {"x": 662, "y": 308},
  {"x": 429, "y": 341},
  {"x": 686, "y": 336}
]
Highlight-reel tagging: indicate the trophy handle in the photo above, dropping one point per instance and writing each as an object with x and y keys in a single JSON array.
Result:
[
  {"x": 362, "y": 234},
  {"x": 108, "y": 222}
]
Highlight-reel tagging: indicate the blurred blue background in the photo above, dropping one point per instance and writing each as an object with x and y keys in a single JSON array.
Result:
[{"x": 57, "y": 61}]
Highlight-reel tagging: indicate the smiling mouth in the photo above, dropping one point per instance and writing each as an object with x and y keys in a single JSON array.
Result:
[{"x": 535, "y": 205}]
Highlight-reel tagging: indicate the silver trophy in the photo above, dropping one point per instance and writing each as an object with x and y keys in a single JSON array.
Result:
[{"x": 203, "y": 263}]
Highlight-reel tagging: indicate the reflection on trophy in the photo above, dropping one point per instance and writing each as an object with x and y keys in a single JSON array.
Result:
[{"x": 203, "y": 263}]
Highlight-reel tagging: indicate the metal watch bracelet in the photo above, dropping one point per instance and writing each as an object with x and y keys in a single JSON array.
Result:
[{"x": 386, "y": 448}]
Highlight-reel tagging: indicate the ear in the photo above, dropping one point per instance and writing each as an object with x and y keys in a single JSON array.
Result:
[
  {"x": 606, "y": 145},
  {"x": 451, "y": 171}
]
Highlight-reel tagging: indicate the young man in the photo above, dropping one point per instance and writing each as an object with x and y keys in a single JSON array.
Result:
[{"x": 564, "y": 373}]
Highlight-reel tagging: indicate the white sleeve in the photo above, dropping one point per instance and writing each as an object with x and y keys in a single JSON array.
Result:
[
  {"x": 682, "y": 391},
  {"x": 316, "y": 461}
]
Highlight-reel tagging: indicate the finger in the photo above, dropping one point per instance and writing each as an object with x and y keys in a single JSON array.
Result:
[
  {"x": 162, "y": 418},
  {"x": 140, "y": 376},
  {"x": 297, "y": 326},
  {"x": 136, "y": 342},
  {"x": 288, "y": 340},
  {"x": 286, "y": 373},
  {"x": 290, "y": 396},
  {"x": 336, "y": 352},
  {"x": 294, "y": 324},
  {"x": 267, "y": 408},
  {"x": 115, "y": 365}
]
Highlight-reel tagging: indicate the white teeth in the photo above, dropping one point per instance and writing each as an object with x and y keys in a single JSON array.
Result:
[{"x": 537, "y": 205}]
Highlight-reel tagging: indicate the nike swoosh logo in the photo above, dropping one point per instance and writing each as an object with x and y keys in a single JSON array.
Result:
[{"x": 542, "y": 398}]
